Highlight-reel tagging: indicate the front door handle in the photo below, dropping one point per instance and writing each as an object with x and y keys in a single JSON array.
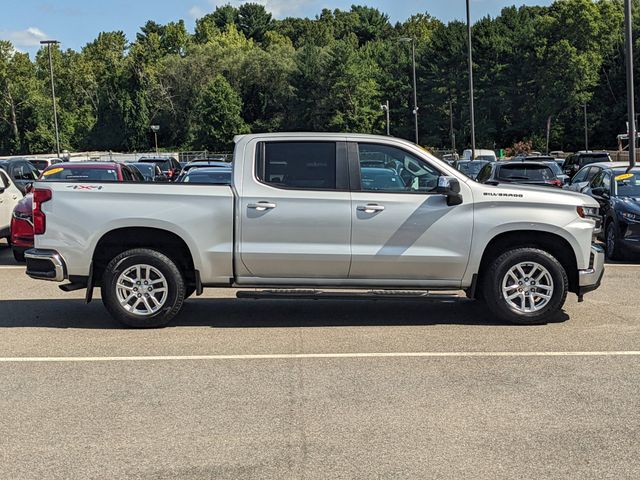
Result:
[
  {"x": 262, "y": 206},
  {"x": 370, "y": 208}
]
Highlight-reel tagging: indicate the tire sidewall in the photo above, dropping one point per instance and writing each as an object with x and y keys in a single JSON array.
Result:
[
  {"x": 504, "y": 263},
  {"x": 175, "y": 288}
]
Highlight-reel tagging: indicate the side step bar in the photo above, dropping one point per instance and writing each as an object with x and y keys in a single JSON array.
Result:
[{"x": 348, "y": 295}]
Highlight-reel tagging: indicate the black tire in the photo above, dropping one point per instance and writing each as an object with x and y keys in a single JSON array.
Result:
[
  {"x": 173, "y": 279},
  {"x": 18, "y": 255},
  {"x": 612, "y": 242},
  {"x": 497, "y": 272}
]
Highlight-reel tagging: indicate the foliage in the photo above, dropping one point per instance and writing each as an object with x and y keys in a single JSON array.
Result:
[{"x": 241, "y": 70}]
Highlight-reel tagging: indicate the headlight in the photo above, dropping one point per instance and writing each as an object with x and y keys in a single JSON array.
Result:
[
  {"x": 632, "y": 217},
  {"x": 588, "y": 212}
]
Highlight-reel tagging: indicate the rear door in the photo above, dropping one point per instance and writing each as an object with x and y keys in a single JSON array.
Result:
[
  {"x": 295, "y": 212},
  {"x": 402, "y": 230}
]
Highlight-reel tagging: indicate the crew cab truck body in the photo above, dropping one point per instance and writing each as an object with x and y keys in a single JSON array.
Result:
[{"x": 318, "y": 211}]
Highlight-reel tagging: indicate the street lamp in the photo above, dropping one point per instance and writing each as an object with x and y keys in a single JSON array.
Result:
[
  {"x": 385, "y": 108},
  {"x": 471, "y": 109},
  {"x": 586, "y": 130},
  {"x": 48, "y": 43},
  {"x": 628, "y": 41},
  {"x": 415, "y": 92},
  {"x": 155, "y": 129}
]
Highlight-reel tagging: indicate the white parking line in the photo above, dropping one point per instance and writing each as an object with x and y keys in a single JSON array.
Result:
[
  {"x": 12, "y": 267},
  {"x": 287, "y": 356}
]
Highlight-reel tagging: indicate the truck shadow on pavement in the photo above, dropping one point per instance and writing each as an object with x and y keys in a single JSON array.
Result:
[{"x": 246, "y": 313}]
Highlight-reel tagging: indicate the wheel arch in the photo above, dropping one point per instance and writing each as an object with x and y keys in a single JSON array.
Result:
[
  {"x": 119, "y": 240},
  {"x": 551, "y": 243}
]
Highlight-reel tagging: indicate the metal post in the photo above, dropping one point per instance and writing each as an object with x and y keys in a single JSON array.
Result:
[
  {"x": 586, "y": 130},
  {"x": 48, "y": 43},
  {"x": 385, "y": 108},
  {"x": 471, "y": 109},
  {"x": 415, "y": 91},
  {"x": 548, "y": 132},
  {"x": 628, "y": 41},
  {"x": 155, "y": 135},
  {"x": 451, "y": 132}
]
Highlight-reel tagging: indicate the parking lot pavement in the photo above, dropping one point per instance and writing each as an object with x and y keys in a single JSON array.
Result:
[{"x": 552, "y": 401}]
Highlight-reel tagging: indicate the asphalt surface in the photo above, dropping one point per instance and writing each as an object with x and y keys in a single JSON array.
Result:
[{"x": 318, "y": 389}]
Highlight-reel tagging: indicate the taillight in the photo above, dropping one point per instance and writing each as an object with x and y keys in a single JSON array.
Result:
[
  {"x": 40, "y": 195},
  {"x": 556, "y": 182}
]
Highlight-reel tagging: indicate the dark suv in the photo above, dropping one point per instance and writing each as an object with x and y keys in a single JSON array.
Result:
[
  {"x": 617, "y": 190},
  {"x": 575, "y": 162},
  {"x": 21, "y": 172}
]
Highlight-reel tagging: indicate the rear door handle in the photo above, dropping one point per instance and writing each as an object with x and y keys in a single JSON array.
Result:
[
  {"x": 262, "y": 206},
  {"x": 370, "y": 208}
]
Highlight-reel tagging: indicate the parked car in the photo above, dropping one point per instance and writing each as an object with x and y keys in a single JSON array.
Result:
[
  {"x": 208, "y": 175},
  {"x": 547, "y": 160},
  {"x": 22, "y": 226},
  {"x": 301, "y": 213},
  {"x": 470, "y": 168},
  {"x": 150, "y": 172},
  {"x": 617, "y": 189},
  {"x": 582, "y": 179},
  {"x": 169, "y": 166},
  {"x": 575, "y": 162},
  {"x": 21, "y": 172},
  {"x": 41, "y": 164},
  {"x": 10, "y": 195},
  {"x": 523, "y": 172},
  {"x": 202, "y": 164},
  {"x": 488, "y": 155}
]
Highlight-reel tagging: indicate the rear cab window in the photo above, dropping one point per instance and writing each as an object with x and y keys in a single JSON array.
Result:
[
  {"x": 90, "y": 174},
  {"x": 298, "y": 165}
]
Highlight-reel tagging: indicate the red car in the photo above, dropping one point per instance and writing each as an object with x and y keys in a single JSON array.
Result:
[{"x": 22, "y": 218}]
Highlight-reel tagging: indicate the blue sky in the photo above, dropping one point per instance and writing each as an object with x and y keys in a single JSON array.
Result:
[{"x": 76, "y": 22}]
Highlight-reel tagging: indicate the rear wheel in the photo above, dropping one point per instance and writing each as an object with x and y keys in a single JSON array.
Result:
[
  {"x": 143, "y": 288},
  {"x": 526, "y": 286}
]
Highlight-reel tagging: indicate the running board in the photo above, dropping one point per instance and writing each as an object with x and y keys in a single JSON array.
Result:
[{"x": 348, "y": 295}]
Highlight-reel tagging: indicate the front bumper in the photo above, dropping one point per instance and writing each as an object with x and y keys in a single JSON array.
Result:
[
  {"x": 45, "y": 265},
  {"x": 589, "y": 279}
]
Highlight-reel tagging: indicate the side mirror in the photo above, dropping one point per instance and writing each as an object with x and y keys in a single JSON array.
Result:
[{"x": 449, "y": 186}]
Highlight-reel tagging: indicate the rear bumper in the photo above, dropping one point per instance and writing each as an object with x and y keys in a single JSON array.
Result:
[
  {"x": 590, "y": 278},
  {"x": 45, "y": 265}
]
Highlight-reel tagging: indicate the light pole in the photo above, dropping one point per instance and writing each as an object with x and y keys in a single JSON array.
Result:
[
  {"x": 452, "y": 133},
  {"x": 586, "y": 130},
  {"x": 471, "y": 109},
  {"x": 48, "y": 43},
  {"x": 385, "y": 108},
  {"x": 628, "y": 41},
  {"x": 415, "y": 91},
  {"x": 155, "y": 129}
]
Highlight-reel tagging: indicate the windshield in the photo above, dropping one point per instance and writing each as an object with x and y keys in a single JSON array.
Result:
[
  {"x": 588, "y": 159},
  {"x": 163, "y": 164},
  {"x": 71, "y": 173},
  {"x": 222, "y": 177},
  {"x": 555, "y": 168},
  {"x": 39, "y": 164},
  {"x": 628, "y": 184},
  {"x": 471, "y": 169},
  {"x": 533, "y": 173}
]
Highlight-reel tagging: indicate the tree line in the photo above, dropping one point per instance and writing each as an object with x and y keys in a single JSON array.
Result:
[{"x": 243, "y": 71}]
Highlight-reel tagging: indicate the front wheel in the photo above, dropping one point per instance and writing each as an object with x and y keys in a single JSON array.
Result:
[
  {"x": 143, "y": 288},
  {"x": 613, "y": 250},
  {"x": 525, "y": 286}
]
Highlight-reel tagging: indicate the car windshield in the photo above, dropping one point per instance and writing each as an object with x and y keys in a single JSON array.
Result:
[
  {"x": 219, "y": 177},
  {"x": 471, "y": 169},
  {"x": 628, "y": 184},
  {"x": 39, "y": 164},
  {"x": 71, "y": 173},
  {"x": 589, "y": 159},
  {"x": 555, "y": 168},
  {"x": 162, "y": 163},
  {"x": 533, "y": 173}
]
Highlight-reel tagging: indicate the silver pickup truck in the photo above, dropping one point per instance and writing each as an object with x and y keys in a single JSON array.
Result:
[{"x": 313, "y": 213}]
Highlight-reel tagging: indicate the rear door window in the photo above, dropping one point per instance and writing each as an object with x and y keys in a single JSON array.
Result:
[
  {"x": 298, "y": 165},
  {"x": 526, "y": 172}
]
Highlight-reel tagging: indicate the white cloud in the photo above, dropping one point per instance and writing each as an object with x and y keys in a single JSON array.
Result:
[
  {"x": 27, "y": 38},
  {"x": 196, "y": 12},
  {"x": 278, "y": 8}
]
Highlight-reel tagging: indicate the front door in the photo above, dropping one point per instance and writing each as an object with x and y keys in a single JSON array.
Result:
[
  {"x": 402, "y": 229},
  {"x": 295, "y": 213}
]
